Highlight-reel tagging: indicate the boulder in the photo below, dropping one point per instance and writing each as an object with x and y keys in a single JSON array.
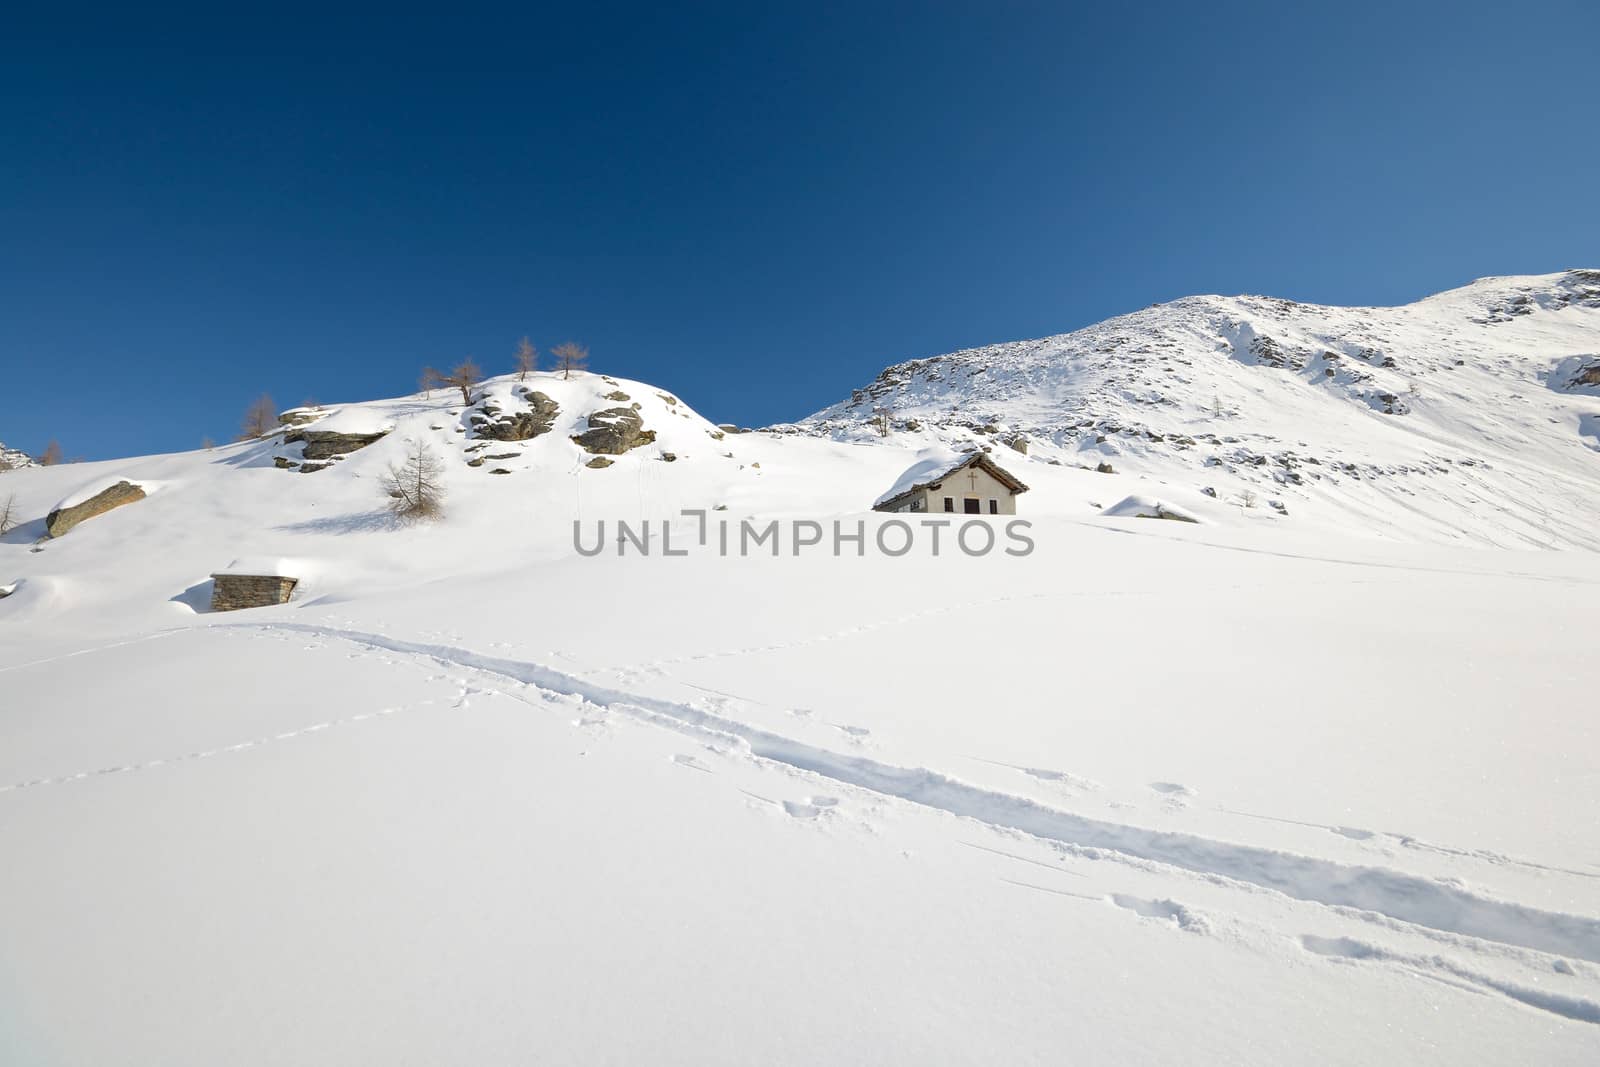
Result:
[
  {"x": 599, "y": 463},
  {"x": 300, "y": 416},
  {"x": 61, "y": 520},
  {"x": 326, "y": 444},
  {"x": 1588, "y": 374},
  {"x": 498, "y": 424},
  {"x": 234, "y": 592},
  {"x": 1105, "y": 468},
  {"x": 613, "y": 431}
]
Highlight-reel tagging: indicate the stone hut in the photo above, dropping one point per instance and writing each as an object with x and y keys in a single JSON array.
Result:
[{"x": 256, "y": 584}]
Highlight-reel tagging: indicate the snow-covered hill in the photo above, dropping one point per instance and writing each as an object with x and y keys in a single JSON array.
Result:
[
  {"x": 12, "y": 459},
  {"x": 1470, "y": 416},
  {"x": 1259, "y": 788}
]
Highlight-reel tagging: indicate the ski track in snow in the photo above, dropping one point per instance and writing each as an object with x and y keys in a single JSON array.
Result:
[
  {"x": 1349, "y": 950},
  {"x": 1388, "y": 893}
]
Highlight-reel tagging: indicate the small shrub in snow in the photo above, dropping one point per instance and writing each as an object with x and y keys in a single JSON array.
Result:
[
  {"x": 1247, "y": 497},
  {"x": 414, "y": 488},
  {"x": 8, "y": 514}
]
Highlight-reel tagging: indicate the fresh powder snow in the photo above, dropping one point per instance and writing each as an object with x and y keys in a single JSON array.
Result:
[{"x": 1308, "y": 778}]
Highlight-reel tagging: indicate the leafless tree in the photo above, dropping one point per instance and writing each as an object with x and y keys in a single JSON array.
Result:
[
  {"x": 51, "y": 454},
  {"x": 1247, "y": 497},
  {"x": 570, "y": 356},
  {"x": 415, "y": 487},
  {"x": 8, "y": 514},
  {"x": 527, "y": 359},
  {"x": 260, "y": 418},
  {"x": 427, "y": 382},
  {"x": 207, "y": 443},
  {"x": 880, "y": 421},
  {"x": 462, "y": 376}
]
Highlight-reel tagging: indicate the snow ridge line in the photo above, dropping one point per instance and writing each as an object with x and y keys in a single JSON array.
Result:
[{"x": 1395, "y": 894}]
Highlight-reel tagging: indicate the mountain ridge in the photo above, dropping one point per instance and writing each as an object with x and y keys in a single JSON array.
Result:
[{"x": 1499, "y": 374}]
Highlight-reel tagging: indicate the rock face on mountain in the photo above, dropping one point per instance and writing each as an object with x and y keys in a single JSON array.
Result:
[
  {"x": 498, "y": 423},
  {"x": 1490, "y": 392},
  {"x": 62, "y": 519},
  {"x": 614, "y": 431},
  {"x": 327, "y": 444}
]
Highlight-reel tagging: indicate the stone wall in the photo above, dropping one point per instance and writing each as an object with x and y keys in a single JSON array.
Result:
[{"x": 230, "y": 592}]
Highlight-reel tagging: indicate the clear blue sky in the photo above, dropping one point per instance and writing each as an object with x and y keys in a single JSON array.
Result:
[{"x": 757, "y": 206}]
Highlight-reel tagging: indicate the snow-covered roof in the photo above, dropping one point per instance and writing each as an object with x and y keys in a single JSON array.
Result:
[
  {"x": 938, "y": 464},
  {"x": 260, "y": 567}
]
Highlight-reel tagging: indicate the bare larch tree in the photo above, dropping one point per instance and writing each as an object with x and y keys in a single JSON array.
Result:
[
  {"x": 8, "y": 514},
  {"x": 260, "y": 418},
  {"x": 51, "y": 454},
  {"x": 570, "y": 356},
  {"x": 462, "y": 376},
  {"x": 415, "y": 486},
  {"x": 527, "y": 359}
]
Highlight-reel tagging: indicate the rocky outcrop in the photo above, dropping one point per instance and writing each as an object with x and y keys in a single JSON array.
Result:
[
  {"x": 499, "y": 424},
  {"x": 1588, "y": 374},
  {"x": 326, "y": 444},
  {"x": 61, "y": 520},
  {"x": 300, "y": 416},
  {"x": 231, "y": 592},
  {"x": 599, "y": 463},
  {"x": 614, "y": 431}
]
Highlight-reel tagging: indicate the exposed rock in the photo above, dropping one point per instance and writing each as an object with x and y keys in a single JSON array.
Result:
[
  {"x": 498, "y": 424},
  {"x": 300, "y": 416},
  {"x": 618, "y": 395},
  {"x": 669, "y": 457},
  {"x": 613, "y": 431},
  {"x": 1019, "y": 444},
  {"x": 728, "y": 427},
  {"x": 1588, "y": 374},
  {"x": 599, "y": 462},
  {"x": 61, "y": 520},
  {"x": 716, "y": 435},
  {"x": 326, "y": 444},
  {"x": 1164, "y": 512},
  {"x": 1105, "y": 468},
  {"x": 499, "y": 470},
  {"x": 475, "y": 461},
  {"x": 231, "y": 592}
]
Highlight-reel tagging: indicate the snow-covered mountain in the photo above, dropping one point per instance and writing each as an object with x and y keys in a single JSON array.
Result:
[
  {"x": 1472, "y": 415},
  {"x": 1224, "y": 791},
  {"x": 13, "y": 459}
]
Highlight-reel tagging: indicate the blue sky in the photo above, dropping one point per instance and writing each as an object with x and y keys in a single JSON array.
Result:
[{"x": 755, "y": 206}]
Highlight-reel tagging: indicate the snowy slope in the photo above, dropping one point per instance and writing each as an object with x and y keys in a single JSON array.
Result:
[
  {"x": 1472, "y": 416},
  {"x": 1248, "y": 790}
]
